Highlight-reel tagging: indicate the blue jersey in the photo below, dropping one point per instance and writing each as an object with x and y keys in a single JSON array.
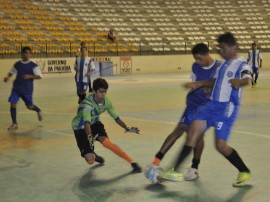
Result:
[
  {"x": 21, "y": 68},
  {"x": 199, "y": 96},
  {"x": 230, "y": 69}
]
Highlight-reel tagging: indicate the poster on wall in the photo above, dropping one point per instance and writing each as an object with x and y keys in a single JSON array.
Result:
[
  {"x": 52, "y": 66},
  {"x": 125, "y": 65},
  {"x": 103, "y": 69},
  {"x": 96, "y": 73}
]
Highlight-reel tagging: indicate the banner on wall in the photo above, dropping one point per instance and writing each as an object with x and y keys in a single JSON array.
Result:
[
  {"x": 51, "y": 66},
  {"x": 125, "y": 65},
  {"x": 104, "y": 67}
]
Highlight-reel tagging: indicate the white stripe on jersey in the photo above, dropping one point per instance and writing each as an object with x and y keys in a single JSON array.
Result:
[
  {"x": 193, "y": 76},
  {"x": 88, "y": 65},
  {"x": 258, "y": 57},
  {"x": 222, "y": 90}
]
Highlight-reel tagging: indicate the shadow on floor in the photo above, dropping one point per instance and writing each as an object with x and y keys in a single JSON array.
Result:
[{"x": 89, "y": 188}]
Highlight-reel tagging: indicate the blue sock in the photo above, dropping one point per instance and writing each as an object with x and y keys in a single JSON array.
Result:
[
  {"x": 13, "y": 112},
  {"x": 36, "y": 109}
]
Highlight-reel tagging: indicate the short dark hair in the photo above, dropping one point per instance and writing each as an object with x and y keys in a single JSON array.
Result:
[
  {"x": 227, "y": 38},
  {"x": 25, "y": 48},
  {"x": 254, "y": 44},
  {"x": 82, "y": 47},
  {"x": 100, "y": 83},
  {"x": 83, "y": 43},
  {"x": 200, "y": 48}
]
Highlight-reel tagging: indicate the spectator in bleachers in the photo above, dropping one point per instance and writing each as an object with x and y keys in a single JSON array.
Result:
[
  {"x": 255, "y": 62},
  {"x": 110, "y": 36}
]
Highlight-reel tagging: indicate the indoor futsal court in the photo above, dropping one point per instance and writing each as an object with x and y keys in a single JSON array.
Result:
[{"x": 41, "y": 161}]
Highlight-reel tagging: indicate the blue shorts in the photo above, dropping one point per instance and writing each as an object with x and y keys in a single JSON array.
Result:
[
  {"x": 15, "y": 97},
  {"x": 220, "y": 115},
  {"x": 255, "y": 70},
  {"x": 188, "y": 116},
  {"x": 81, "y": 87}
]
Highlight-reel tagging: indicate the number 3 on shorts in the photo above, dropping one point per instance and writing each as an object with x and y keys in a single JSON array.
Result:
[{"x": 219, "y": 125}]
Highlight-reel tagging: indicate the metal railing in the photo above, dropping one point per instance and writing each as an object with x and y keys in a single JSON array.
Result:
[{"x": 120, "y": 48}]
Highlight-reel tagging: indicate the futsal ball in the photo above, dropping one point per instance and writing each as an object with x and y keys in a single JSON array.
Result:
[{"x": 151, "y": 172}]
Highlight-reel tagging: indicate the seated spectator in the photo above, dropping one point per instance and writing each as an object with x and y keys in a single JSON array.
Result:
[{"x": 110, "y": 37}]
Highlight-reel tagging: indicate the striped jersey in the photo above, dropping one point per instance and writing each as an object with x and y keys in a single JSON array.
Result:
[
  {"x": 89, "y": 111},
  {"x": 229, "y": 69},
  {"x": 82, "y": 66},
  {"x": 22, "y": 68},
  {"x": 254, "y": 58},
  {"x": 199, "y": 97}
]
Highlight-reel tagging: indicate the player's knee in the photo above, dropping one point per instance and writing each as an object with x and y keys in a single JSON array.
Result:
[
  {"x": 221, "y": 147},
  {"x": 90, "y": 158},
  {"x": 178, "y": 132},
  {"x": 101, "y": 139},
  {"x": 90, "y": 162},
  {"x": 30, "y": 107},
  {"x": 175, "y": 135}
]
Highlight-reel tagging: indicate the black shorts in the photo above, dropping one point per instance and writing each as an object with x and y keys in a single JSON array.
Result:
[{"x": 82, "y": 138}]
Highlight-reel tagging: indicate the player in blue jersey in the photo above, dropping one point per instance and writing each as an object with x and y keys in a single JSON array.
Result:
[
  {"x": 83, "y": 66},
  {"x": 221, "y": 111},
  {"x": 255, "y": 61},
  {"x": 26, "y": 71},
  {"x": 203, "y": 69}
]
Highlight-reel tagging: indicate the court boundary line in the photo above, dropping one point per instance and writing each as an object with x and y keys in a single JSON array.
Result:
[{"x": 151, "y": 120}]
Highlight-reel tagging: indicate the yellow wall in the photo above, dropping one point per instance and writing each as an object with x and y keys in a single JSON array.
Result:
[{"x": 140, "y": 64}]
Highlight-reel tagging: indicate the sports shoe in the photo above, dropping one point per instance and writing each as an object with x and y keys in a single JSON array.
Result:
[
  {"x": 136, "y": 168},
  {"x": 40, "y": 117},
  {"x": 13, "y": 126},
  {"x": 171, "y": 175},
  {"x": 241, "y": 179},
  {"x": 99, "y": 159},
  {"x": 192, "y": 174}
]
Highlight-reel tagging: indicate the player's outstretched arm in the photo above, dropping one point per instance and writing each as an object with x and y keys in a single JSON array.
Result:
[
  {"x": 7, "y": 77},
  {"x": 128, "y": 129}
]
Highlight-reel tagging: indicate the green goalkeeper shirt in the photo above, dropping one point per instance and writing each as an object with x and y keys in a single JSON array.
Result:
[{"x": 89, "y": 111}]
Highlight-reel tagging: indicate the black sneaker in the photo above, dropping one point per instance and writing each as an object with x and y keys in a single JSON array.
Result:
[
  {"x": 99, "y": 159},
  {"x": 136, "y": 168}
]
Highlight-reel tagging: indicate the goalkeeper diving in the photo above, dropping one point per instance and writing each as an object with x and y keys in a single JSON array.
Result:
[{"x": 88, "y": 128}]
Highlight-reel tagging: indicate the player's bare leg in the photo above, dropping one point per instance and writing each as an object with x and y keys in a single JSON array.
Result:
[
  {"x": 193, "y": 173},
  {"x": 233, "y": 157},
  {"x": 36, "y": 109},
  {"x": 195, "y": 133},
  {"x": 169, "y": 142}
]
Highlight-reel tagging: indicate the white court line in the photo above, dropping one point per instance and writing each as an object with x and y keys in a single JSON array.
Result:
[{"x": 149, "y": 120}]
